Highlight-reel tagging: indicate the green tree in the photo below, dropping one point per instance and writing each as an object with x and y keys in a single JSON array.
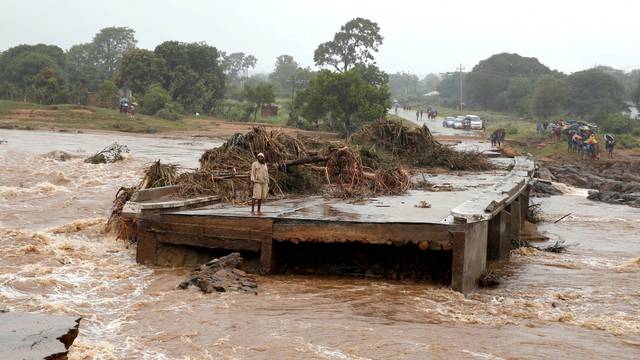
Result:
[
  {"x": 345, "y": 100},
  {"x": 20, "y": 65},
  {"x": 449, "y": 88},
  {"x": 429, "y": 83},
  {"x": 259, "y": 95},
  {"x": 111, "y": 44},
  {"x": 155, "y": 99},
  {"x": 139, "y": 69},
  {"x": 636, "y": 95},
  {"x": 403, "y": 85},
  {"x": 594, "y": 91},
  {"x": 550, "y": 96},
  {"x": 82, "y": 68},
  {"x": 193, "y": 76},
  {"x": 616, "y": 123},
  {"x": 49, "y": 87},
  {"x": 236, "y": 65},
  {"x": 354, "y": 44},
  {"x": 517, "y": 95},
  {"x": 284, "y": 72},
  {"x": 108, "y": 93},
  {"x": 492, "y": 76}
]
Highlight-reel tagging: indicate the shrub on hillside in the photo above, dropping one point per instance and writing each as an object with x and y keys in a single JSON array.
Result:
[
  {"x": 234, "y": 110},
  {"x": 155, "y": 99},
  {"x": 168, "y": 114},
  {"x": 618, "y": 123}
]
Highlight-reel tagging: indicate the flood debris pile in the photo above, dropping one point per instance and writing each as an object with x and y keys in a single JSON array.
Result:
[
  {"x": 221, "y": 275},
  {"x": 155, "y": 175},
  {"x": 295, "y": 167},
  {"x": 226, "y": 169},
  {"x": 110, "y": 154},
  {"x": 372, "y": 162},
  {"x": 158, "y": 174},
  {"x": 124, "y": 228},
  {"x": 415, "y": 147}
]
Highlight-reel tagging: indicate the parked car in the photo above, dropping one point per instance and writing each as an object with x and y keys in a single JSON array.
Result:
[
  {"x": 448, "y": 121},
  {"x": 459, "y": 123},
  {"x": 474, "y": 122}
]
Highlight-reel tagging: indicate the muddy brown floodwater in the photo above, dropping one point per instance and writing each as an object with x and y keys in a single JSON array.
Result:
[{"x": 584, "y": 304}]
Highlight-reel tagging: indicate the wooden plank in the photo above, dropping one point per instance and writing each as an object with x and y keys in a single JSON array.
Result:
[
  {"x": 372, "y": 233},
  {"x": 210, "y": 242}
]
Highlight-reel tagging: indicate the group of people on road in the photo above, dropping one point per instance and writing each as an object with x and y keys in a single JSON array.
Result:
[
  {"x": 431, "y": 113},
  {"x": 581, "y": 138}
]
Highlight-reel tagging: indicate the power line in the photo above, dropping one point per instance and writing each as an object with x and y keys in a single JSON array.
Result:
[{"x": 460, "y": 87}]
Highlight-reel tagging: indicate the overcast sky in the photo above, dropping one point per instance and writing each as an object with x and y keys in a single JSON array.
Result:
[{"x": 419, "y": 36}]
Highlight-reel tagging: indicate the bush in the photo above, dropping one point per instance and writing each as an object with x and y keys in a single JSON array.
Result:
[
  {"x": 618, "y": 123},
  {"x": 512, "y": 130},
  {"x": 233, "y": 110},
  {"x": 168, "y": 114},
  {"x": 627, "y": 141},
  {"x": 155, "y": 99}
]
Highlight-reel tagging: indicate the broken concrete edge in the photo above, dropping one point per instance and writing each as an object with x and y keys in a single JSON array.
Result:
[
  {"x": 154, "y": 193},
  {"x": 37, "y": 335},
  {"x": 132, "y": 208},
  {"x": 490, "y": 202}
]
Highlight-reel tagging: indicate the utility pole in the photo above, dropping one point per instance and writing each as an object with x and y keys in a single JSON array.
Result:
[{"x": 460, "y": 87}]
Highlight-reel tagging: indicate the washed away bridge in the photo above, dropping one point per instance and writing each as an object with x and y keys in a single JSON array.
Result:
[{"x": 471, "y": 220}]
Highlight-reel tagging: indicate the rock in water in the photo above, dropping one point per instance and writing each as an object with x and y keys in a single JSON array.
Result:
[
  {"x": 36, "y": 336},
  {"x": 543, "y": 188},
  {"x": 221, "y": 274},
  {"x": 60, "y": 155},
  {"x": 613, "y": 197}
]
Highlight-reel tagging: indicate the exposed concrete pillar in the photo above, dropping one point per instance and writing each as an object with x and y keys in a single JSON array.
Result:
[
  {"x": 516, "y": 218},
  {"x": 469, "y": 256},
  {"x": 267, "y": 256},
  {"x": 524, "y": 205},
  {"x": 147, "y": 245},
  {"x": 498, "y": 240}
]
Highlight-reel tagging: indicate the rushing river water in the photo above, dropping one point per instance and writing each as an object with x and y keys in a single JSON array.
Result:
[{"x": 55, "y": 258}]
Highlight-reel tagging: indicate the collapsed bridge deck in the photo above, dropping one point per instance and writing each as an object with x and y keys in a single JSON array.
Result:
[{"x": 474, "y": 216}]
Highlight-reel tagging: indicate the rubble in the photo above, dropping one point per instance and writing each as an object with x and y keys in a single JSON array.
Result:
[
  {"x": 612, "y": 197},
  {"x": 543, "y": 188},
  {"x": 221, "y": 275}
]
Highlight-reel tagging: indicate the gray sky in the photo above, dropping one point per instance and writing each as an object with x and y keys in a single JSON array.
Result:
[{"x": 420, "y": 36}]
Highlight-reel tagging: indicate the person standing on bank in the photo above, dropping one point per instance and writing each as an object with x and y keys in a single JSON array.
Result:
[{"x": 260, "y": 180}]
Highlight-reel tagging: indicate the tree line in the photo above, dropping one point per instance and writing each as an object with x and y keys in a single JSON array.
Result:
[
  {"x": 349, "y": 89},
  {"x": 524, "y": 86},
  {"x": 178, "y": 77}
]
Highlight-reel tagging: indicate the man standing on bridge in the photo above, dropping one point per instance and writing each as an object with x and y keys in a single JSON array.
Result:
[{"x": 260, "y": 181}]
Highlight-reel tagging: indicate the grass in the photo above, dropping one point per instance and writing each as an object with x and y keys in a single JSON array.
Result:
[{"x": 33, "y": 116}]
